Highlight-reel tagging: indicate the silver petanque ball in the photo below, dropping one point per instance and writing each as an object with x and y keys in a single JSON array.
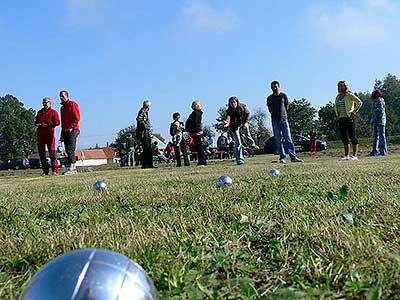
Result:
[
  {"x": 100, "y": 185},
  {"x": 90, "y": 274},
  {"x": 273, "y": 172},
  {"x": 224, "y": 180}
]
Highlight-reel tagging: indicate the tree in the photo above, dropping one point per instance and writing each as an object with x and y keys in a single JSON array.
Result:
[
  {"x": 159, "y": 136},
  {"x": 122, "y": 135},
  {"x": 391, "y": 93},
  {"x": 327, "y": 122},
  {"x": 258, "y": 127},
  {"x": 301, "y": 116},
  {"x": 363, "y": 116},
  {"x": 219, "y": 126},
  {"x": 208, "y": 130},
  {"x": 17, "y": 129}
]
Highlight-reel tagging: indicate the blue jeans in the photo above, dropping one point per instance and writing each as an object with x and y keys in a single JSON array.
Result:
[
  {"x": 379, "y": 144},
  {"x": 238, "y": 146},
  {"x": 281, "y": 129}
]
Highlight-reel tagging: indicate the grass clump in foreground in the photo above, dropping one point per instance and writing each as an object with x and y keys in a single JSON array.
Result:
[{"x": 281, "y": 237}]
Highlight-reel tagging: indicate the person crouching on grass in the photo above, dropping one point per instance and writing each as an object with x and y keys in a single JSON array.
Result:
[
  {"x": 194, "y": 127},
  {"x": 47, "y": 120},
  {"x": 346, "y": 106},
  {"x": 238, "y": 116}
]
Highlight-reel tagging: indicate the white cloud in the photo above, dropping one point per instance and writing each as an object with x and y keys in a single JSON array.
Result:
[
  {"x": 356, "y": 25},
  {"x": 201, "y": 15},
  {"x": 382, "y": 4},
  {"x": 84, "y": 11}
]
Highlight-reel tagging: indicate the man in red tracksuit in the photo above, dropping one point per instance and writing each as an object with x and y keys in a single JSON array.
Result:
[
  {"x": 70, "y": 117},
  {"x": 46, "y": 121}
]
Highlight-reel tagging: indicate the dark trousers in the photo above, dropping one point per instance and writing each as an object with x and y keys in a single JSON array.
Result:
[
  {"x": 201, "y": 155},
  {"x": 70, "y": 145},
  {"x": 48, "y": 140},
  {"x": 147, "y": 155},
  {"x": 182, "y": 146},
  {"x": 347, "y": 128}
]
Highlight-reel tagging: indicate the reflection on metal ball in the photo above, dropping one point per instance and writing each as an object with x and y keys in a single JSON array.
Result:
[
  {"x": 273, "y": 172},
  {"x": 100, "y": 185},
  {"x": 224, "y": 180},
  {"x": 90, "y": 274}
]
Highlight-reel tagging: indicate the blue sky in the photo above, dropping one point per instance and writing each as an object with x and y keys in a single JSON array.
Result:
[{"x": 112, "y": 54}]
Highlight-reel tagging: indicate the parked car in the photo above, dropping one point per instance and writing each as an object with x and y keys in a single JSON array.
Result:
[
  {"x": 300, "y": 142},
  {"x": 34, "y": 163},
  {"x": 15, "y": 164}
]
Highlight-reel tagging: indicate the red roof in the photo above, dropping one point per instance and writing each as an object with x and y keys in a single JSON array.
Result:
[
  {"x": 110, "y": 152},
  {"x": 90, "y": 154}
]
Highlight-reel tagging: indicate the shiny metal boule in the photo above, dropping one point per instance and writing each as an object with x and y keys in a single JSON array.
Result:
[
  {"x": 100, "y": 185},
  {"x": 224, "y": 180},
  {"x": 273, "y": 172},
  {"x": 90, "y": 274}
]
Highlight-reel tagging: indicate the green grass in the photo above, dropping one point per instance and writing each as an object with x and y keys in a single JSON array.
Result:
[{"x": 261, "y": 238}]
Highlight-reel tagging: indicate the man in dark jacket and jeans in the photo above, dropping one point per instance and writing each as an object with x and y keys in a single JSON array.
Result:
[
  {"x": 70, "y": 117},
  {"x": 143, "y": 127}
]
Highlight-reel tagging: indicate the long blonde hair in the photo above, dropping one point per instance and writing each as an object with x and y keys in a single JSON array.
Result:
[{"x": 196, "y": 105}]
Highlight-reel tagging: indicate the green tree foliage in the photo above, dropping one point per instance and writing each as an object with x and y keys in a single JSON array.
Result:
[
  {"x": 327, "y": 122},
  {"x": 301, "y": 116},
  {"x": 363, "y": 117},
  {"x": 258, "y": 126},
  {"x": 208, "y": 130},
  {"x": 390, "y": 88},
  {"x": 17, "y": 129},
  {"x": 122, "y": 135},
  {"x": 219, "y": 126}
]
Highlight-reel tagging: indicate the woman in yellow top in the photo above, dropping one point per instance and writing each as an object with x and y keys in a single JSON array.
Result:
[{"x": 346, "y": 105}]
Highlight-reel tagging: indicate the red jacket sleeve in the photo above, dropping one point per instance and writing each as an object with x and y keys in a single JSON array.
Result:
[
  {"x": 76, "y": 115},
  {"x": 55, "y": 119}
]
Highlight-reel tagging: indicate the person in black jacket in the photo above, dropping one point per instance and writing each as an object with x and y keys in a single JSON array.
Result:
[
  {"x": 193, "y": 126},
  {"x": 143, "y": 133},
  {"x": 176, "y": 131}
]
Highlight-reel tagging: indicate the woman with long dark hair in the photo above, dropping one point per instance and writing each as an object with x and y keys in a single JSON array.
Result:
[
  {"x": 237, "y": 117},
  {"x": 346, "y": 106}
]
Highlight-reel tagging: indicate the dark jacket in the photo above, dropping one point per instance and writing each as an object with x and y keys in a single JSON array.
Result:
[
  {"x": 193, "y": 123},
  {"x": 236, "y": 119},
  {"x": 142, "y": 123}
]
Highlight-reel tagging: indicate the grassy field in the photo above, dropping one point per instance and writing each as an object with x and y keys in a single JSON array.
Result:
[{"x": 283, "y": 237}]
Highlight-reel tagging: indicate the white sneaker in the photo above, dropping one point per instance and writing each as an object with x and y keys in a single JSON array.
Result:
[
  {"x": 345, "y": 158},
  {"x": 282, "y": 161},
  {"x": 353, "y": 158}
]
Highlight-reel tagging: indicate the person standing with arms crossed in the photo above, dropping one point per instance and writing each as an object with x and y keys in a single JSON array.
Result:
[
  {"x": 277, "y": 104},
  {"x": 143, "y": 127},
  {"x": 47, "y": 120},
  {"x": 70, "y": 116}
]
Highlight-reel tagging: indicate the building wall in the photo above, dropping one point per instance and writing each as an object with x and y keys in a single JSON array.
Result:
[{"x": 91, "y": 162}]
